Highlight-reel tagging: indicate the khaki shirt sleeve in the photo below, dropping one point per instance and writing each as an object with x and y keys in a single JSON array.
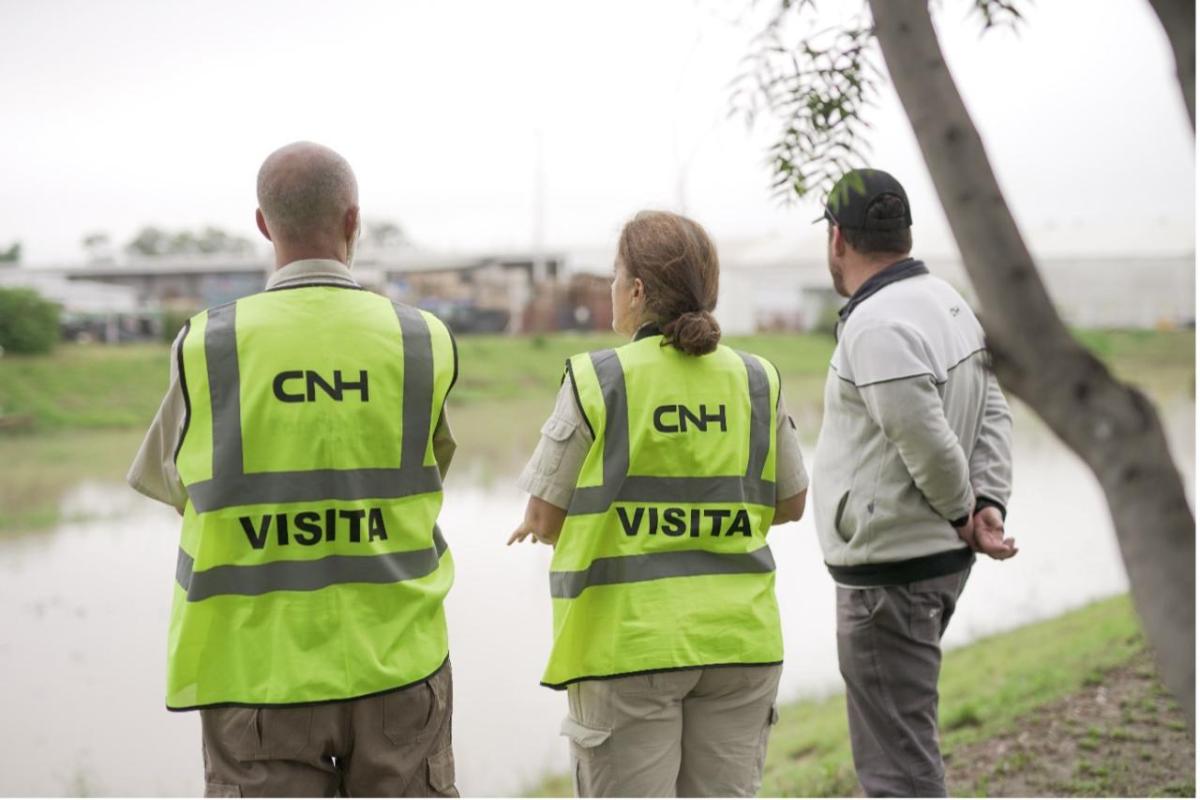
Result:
[
  {"x": 553, "y": 470},
  {"x": 791, "y": 478},
  {"x": 443, "y": 444},
  {"x": 153, "y": 472}
]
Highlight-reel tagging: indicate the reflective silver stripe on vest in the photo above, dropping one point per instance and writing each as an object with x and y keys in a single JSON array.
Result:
[
  {"x": 760, "y": 420},
  {"x": 619, "y": 486},
  {"x": 653, "y": 566},
  {"x": 307, "y": 576},
  {"x": 232, "y": 486}
]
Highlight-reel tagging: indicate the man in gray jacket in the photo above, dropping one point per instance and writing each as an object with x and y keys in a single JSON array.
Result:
[{"x": 911, "y": 478}]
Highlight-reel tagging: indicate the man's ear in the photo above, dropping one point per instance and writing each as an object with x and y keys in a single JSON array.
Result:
[
  {"x": 839, "y": 242},
  {"x": 350, "y": 223},
  {"x": 261, "y": 221}
]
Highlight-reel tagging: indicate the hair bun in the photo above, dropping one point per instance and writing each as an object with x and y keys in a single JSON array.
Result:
[{"x": 695, "y": 333}]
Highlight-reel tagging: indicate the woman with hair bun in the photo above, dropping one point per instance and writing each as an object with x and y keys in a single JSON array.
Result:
[{"x": 665, "y": 462}]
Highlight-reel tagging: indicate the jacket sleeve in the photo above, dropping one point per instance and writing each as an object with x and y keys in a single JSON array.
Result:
[
  {"x": 909, "y": 411},
  {"x": 991, "y": 460}
]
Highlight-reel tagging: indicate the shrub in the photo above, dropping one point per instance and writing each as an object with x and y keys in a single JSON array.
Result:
[
  {"x": 173, "y": 320},
  {"x": 28, "y": 322}
]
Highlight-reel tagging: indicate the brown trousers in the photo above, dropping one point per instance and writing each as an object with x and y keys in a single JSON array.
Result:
[{"x": 395, "y": 745}]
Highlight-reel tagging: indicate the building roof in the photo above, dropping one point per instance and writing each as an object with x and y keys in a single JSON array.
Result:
[{"x": 75, "y": 297}]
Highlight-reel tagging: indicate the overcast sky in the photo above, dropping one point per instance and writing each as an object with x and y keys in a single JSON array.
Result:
[{"x": 117, "y": 114}]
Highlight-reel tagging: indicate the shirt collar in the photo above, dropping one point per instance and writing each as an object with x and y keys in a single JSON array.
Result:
[
  {"x": 647, "y": 330},
  {"x": 310, "y": 271},
  {"x": 901, "y": 270}
]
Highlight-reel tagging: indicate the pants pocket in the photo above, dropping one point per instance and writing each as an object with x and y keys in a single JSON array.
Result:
[
  {"x": 586, "y": 745},
  {"x": 259, "y": 734},
  {"x": 409, "y": 713},
  {"x": 441, "y": 773},
  {"x": 925, "y": 618},
  {"x": 772, "y": 721},
  {"x": 856, "y": 608}
]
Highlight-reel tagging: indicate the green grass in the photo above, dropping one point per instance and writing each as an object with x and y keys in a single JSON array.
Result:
[
  {"x": 1162, "y": 362},
  {"x": 985, "y": 687},
  {"x": 84, "y": 386}
]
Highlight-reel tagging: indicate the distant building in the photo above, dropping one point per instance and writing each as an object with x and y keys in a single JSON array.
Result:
[
  {"x": 767, "y": 284},
  {"x": 486, "y": 293},
  {"x": 171, "y": 282},
  {"x": 474, "y": 293}
]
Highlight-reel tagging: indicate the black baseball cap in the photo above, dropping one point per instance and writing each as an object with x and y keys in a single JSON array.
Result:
[{"x": 854, "y": 194}]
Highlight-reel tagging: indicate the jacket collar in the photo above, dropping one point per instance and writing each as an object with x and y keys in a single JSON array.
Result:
[{"x": 901, "y": 270}]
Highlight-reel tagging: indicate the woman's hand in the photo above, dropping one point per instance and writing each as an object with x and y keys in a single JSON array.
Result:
[
  {"x": 543, "y": 521},
  {"x": 524, "y": 532}
]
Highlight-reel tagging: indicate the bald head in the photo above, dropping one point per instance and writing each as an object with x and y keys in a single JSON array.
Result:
[{"x": 305, "y": 193}]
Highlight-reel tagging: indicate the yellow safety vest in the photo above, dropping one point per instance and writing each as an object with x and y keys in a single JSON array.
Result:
[
  {"x": 662, "y": 562},
  {"x": 310, "y": 564}
]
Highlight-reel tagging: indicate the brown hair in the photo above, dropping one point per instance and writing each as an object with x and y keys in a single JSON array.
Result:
[
  {"x": 677, "y": 263},
  {"x": 869, "y": 243}
]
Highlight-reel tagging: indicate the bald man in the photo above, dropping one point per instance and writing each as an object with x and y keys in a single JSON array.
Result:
[{"x": 303, "y": 438}]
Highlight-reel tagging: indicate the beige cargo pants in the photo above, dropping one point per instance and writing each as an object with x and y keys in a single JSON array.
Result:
[
  {"x": 389, "y": 745},
  {"x": 683, "y": 733}
]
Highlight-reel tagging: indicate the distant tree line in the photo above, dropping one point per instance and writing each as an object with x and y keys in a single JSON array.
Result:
[{"x": 153, "y": 241}]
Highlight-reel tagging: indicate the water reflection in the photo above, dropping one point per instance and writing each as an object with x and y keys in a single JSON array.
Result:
[{"x": 86, "y": 607}]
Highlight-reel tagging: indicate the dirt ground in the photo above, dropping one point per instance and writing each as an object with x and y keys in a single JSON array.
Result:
[{"x": 1121, "y": 736}]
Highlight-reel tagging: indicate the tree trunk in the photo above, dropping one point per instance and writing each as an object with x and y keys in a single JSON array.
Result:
[
  {"x": 1178, "y": 18},
  {"x": 1112, "y": 426}
]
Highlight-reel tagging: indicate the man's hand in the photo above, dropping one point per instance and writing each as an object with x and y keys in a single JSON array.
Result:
[
  {"x": 967, "y": 533},
  {"x": 989, "y": 535}
]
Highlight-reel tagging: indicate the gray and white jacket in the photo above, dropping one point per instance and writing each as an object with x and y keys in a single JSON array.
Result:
[{"x": 916, "y": 434}]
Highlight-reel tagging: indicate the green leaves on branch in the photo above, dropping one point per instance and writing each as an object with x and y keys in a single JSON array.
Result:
[
  {"x": 997, "y": 13},
  {"x": 817, "y": 86},
  {"x": 816, "y": 90}
]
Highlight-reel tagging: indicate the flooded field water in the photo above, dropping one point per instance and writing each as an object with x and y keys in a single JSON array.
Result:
[{"x": 85, "y": 607}]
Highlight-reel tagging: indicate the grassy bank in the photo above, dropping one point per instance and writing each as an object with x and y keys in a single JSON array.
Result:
[
  {"x": 991, "y": 689},
  {"x": 89, "y": 387}
]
